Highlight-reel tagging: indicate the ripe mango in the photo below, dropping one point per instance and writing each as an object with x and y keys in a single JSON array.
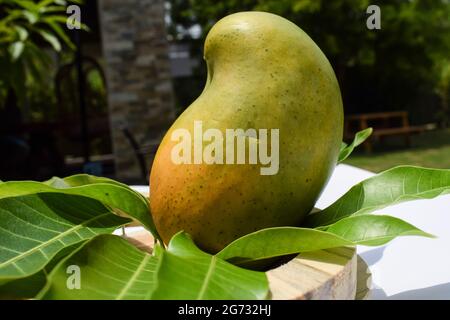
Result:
[{"x": 264, "y": 72}]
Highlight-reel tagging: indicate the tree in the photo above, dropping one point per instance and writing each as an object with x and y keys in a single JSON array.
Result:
[
  {"x": 24, "y": 26},
  {"x": 443, "y": 91},
  {"x": 397, "y": 67}
]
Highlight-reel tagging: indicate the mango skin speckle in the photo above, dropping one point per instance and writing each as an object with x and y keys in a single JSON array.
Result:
[{"x": 264, "y": 72}]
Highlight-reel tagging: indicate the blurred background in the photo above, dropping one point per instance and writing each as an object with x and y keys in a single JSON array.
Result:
[{"x": 98, "y": 98}]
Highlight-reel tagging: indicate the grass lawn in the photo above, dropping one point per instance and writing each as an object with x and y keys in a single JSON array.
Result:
[{"x": 430, "y": 149}]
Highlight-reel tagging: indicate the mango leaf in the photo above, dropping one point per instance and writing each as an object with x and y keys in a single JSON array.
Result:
[
  {"x": 84, "y": 179},
  {"x": 24, "y": 288},
  {"x": 32, "y": 17},
  {"x": 279, "y": 241},
  {"x": 28, "y": 5},
  {"x": 57, "y": 183},
  {"x": 400, "y": 184},
  {"x": 29, "y": 287},
  {"x": 109, "y": 192},
  {"x": 370, "y": 230},
  {"x": 111, "y": 268},
  {"x": 360, "y": 137},
  {"x": 15, "y": 50},
  {"x": 374, "y": 230},
  {"x": 44, "y": 4},
  {"x": 35, "y": 227},
  {"x": 60, "y": 31},
  {"x": 79, "y": 180},
  {"x": 204, "y": 276},
  {"x": 21, "y": 32},
  {"x": 51, "y": 39},
  {"x": 343, "y": 146}
]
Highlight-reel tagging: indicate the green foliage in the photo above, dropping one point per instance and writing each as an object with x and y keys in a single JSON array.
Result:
[
  {"x": 396, "y": 185},
  {"x": 24, "y": 26},
  {"x": 369, "y": 230},
  {"x": 114, "y": 269},
  {"x": 360, "y": 137},
  {"x": 40, "y": 220},
  {"x": 443, "y": 90},
  {"x": 377, "y": 69},
  {"x": 109, "y": 192},
  {"x": 36, "y": 227},
  {"x": 47, "y": 227},
  {"x": 105, "y": 262}
]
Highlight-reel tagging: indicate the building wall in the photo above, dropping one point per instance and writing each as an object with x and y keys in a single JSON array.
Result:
[{"x": 140, "y": 93}]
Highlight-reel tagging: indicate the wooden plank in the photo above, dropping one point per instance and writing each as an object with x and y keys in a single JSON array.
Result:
[
  {"x": 377, "y": 115},
  {"x": 396, "y": 131},
  {"x": 384, "y": 129},
  {"x": 319, "y": 275},
  {"x": 364, "y": 280}
]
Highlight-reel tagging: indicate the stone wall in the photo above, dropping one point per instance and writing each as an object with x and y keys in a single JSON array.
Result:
[{"x": 140, "y": 93}]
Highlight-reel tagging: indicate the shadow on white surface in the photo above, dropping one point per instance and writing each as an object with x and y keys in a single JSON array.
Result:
[
  {"x": 377, "y": 293},
  {"x": 371, "y": 257},
  {"x": 437, "y": 292}
]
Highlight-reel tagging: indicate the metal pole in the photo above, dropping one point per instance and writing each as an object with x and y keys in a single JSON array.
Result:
[{"x": 81, "y": 97}]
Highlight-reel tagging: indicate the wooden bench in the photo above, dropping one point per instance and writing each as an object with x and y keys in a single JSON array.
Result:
[{"x": 384, "y": 124}]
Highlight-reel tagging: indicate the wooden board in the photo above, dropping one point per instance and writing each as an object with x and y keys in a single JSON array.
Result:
[
  {"x": 325, "y": 274},
  {"x": 364, "y": 280}
]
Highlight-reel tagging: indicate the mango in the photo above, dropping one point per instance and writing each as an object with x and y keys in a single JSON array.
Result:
[{"x": 264, "y": 73}]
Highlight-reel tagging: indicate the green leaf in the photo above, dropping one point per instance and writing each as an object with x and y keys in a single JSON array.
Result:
[
  {"x": 274, "y": 242},
  {"x": 110, "y": 192},
  {"x": 30, "y": 6},
  {"x": 111, "y": 268},
  {"x": 374, "y": 230},
  {"x": 57, "y": 183},
  {"x": 85, "y": 179},
  {"x": 44, "y": 3},
  {"x": 52, "y": 9},
  {"x": 51, "y": 39},
  {"x": 15, "y": 50},
  {"x": 204, "y": 276},
  {"x": 60, "y": 32},
  {"x": 400, "y": 184},
  {"x": 369, "y": 230},
  {"x": 24, "y": 288},
  {"x": 360, "y": 137},
  {"x": 29, "y": 287},
  {"x": 32, "y": 17},
  {"x": 63, "y": 2},
  {"x": 35, "y": 227},
  {"x": 22, "y": 32}
]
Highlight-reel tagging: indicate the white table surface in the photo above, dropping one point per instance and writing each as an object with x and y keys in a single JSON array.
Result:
[{"x": 407, "y": 267}]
